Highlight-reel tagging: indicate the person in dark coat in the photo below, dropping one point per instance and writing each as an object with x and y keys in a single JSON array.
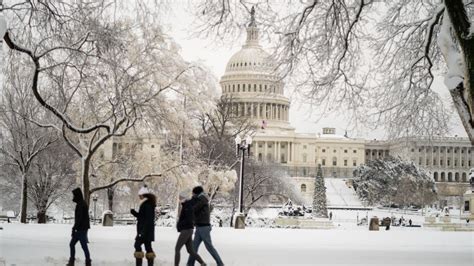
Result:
[
  {"x": 80, "y": 227},
  {"x": 202, "y": 221},
  {"x": 185, "y": 228},
  {"x": 145, "y": 226}
]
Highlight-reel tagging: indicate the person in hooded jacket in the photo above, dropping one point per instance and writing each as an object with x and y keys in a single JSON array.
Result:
[
  {"x": 185, "y": 228},
  {"x": 80, "y": 227},
  {"x": 145, "y": 226}
]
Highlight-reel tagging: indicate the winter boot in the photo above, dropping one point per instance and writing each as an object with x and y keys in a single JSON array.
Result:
[
  {"x": 139, "y": 257},
  {"x": 88, "y": 262},
  {"x": 70, "y": 262},
  {"x": 150, "y": 257}
]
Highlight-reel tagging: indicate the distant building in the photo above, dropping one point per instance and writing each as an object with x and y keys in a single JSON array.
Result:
[
  {"x": 144, "y": 151},
  {"x": 256, "y": 92},
  {"x": 448, "y": 159}
]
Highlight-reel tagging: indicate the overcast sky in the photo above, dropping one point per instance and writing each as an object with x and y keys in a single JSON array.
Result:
[{"x": 304, "y": 118}]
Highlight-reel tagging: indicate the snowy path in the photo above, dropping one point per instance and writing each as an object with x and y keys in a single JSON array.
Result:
[
  {"x": 339, "y": 194},
  {"x": 48, "y": 245}
]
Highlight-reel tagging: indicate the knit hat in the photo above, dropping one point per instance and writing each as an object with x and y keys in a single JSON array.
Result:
[
  {"x": 184, "y": 195},
  {"x": 143, "y": 190}
]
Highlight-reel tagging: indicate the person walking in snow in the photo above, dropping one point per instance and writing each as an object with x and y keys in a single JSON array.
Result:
[
  {"x": 185, "y": 228},
  {"x": 80, "y": 228},
  {"x": 202, "y": 220},
  {"x": 145, "y": 226},
  {"x": 330, "y": 215}
]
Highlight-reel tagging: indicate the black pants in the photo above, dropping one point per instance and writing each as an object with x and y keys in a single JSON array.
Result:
[
  {"x": 138, "y": 245},
  {"x": 79, "y": 236},
  {"x": 185, "y": 238}
]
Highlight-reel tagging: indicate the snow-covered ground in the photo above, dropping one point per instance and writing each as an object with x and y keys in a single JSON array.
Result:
[
  {"x": 34, "y": 244},
  {"x": 339, "y": 194}
]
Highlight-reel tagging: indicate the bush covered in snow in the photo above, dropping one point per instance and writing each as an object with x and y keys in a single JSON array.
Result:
[{"x": 393, "y": 181}]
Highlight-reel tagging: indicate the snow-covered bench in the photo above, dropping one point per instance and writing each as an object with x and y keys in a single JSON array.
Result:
[{"x": 7, "y": 216}]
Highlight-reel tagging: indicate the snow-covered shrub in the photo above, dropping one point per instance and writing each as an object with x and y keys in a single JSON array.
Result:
[{"x": 393, "y": 181}]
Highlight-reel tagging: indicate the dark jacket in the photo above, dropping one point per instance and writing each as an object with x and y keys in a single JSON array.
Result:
[
  {"x": 185, "y": 220},
  {"x": 81, "y": 213},
  {"x": 146, "y": 218},
  {"x": 201, "y": 210}
]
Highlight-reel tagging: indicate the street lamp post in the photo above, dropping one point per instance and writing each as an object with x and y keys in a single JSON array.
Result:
[
  {"x": 94, "y": 198},
  {"x": 242, "y": 146}
]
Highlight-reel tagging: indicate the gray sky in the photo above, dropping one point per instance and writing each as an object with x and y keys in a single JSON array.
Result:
[{"x": 303, "y": 117}]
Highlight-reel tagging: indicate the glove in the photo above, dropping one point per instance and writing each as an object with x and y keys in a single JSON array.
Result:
[{"x": 133, "y": 212}]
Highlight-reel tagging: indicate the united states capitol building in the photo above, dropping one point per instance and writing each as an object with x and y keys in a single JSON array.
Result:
[{"x": 258, "y": 94}]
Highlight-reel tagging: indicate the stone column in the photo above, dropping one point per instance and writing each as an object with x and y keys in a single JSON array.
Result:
[
  {"x": 438, "y": 149},
  {"x": 264, "y": 111},
  {"x": 287, "y": 151},
  {"x": 256, "y": 149},
  {"x": 265, "y": 148},
  {"x": 278, "y": 152},
  {"x": 293, "y": 152}
]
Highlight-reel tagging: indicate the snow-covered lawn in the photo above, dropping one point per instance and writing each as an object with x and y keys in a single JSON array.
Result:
[
  {"x": 339, "y": 194},
  {"x": 48, "y": 245}
]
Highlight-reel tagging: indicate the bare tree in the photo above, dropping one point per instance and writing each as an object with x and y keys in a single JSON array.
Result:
[
  {"x": 264, "y": 180},
  {"x": 219, "y": 127},
  {"x": 51, "y": 178},
  {"x": 377, "y": 58},
  {"x": 97, "y": 71},
  {"x": 127, "y": 161},
  {"x": 22, "y": 141}
]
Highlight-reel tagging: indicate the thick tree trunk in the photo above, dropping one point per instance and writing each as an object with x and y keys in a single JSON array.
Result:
[
  {"x": 110, "y": 198},
  {"x": 461, "y": 24},
  {"x": 85, "y": 179},
  {"x": 458, "y": 96},
  {"x": 24, "y": 198},
  {"x": 41, "y": 217}
]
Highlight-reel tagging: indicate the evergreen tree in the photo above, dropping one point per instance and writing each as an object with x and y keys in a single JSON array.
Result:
[{"x": 319, "y": 197}]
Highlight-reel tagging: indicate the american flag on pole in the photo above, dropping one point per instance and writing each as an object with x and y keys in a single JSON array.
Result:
[{"x": 264, "y": 124}]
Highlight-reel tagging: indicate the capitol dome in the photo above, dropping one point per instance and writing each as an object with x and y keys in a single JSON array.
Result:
[
  {"x": 254, "y": 88},
  {"x": 250, "y": 58}
]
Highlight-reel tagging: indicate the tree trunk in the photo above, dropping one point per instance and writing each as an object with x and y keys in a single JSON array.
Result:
[
  {"x": 461, "y": 24},
  {"x": 41, "y": 217},
  {"x": 110, "y": 198},
  {"x": 85, "y": 178},
  {"x": 24, "y": 198}
]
